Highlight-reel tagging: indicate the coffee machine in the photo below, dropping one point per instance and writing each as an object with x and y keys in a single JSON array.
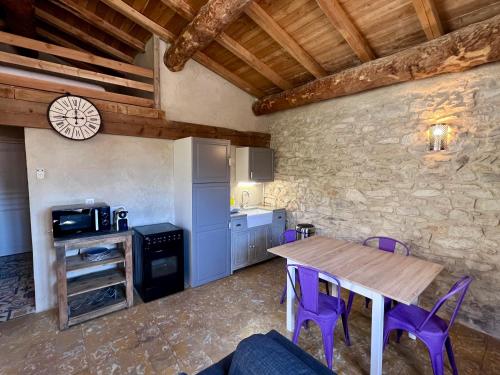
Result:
[{"x": 120, "y": 219}]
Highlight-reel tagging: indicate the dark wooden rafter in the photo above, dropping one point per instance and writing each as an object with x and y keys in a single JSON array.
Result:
[
  {"x": 341, "y": 21},
  {"x": 99, "y": 23},
  {"x": 188, "y": 13},
  {"x": 208, "y": 23},
  {"x": 276, "y": 32},
  {"x": 167, "y": 36},
  {"x": 429, "y": 18},
  {"x": 76, "y": 32},
  {"x": 20, "y": 19},
  {"x": 463, "y": 49}
]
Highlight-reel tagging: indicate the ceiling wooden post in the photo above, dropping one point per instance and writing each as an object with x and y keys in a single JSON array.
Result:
[
  {"x": 207, "y": 25},
  {"x": 463, "y": 49},
  {"x": 429, "y": 18},
  {"x": 275, "y": 31},
  {"x": 341, "y": 21}
]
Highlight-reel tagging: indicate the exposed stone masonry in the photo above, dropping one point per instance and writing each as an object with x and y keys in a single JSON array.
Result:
[{"x": 358, "y": 166}]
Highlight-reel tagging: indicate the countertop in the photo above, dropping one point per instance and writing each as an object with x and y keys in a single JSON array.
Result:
[{"x": 270, "y": 208}]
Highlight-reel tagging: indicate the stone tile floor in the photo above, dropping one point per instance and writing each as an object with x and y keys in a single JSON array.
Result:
[
  {"x": 191, "y": 330},
  {"x": 17, "y": 288}
]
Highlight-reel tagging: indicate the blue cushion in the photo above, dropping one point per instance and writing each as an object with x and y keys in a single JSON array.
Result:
[{"x": 261, "y": 355}]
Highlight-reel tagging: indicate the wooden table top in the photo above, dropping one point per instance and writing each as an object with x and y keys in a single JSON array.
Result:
[{"x": 402, "y": 278}]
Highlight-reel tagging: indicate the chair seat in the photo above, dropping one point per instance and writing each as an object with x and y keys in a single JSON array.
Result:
[
  {"x": 327, "y": 305},
  {"x": 410, "y": 317}
]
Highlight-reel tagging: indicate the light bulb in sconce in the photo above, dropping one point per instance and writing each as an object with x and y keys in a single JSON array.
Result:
[{"x": 438, "y": 137}]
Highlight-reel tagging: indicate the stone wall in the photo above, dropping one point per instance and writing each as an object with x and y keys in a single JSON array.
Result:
[{"x": 359, "y": 166}]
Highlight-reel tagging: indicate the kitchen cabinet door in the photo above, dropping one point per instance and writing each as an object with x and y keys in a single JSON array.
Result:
[
  {"x": 211, "y": 248},
  {"x": 261, "y": 164},
  {"x": 259, "y": 243},
  {"x": 240, "y": 249},
  {"x": 211, "y": 257},
  {"x": 210, "y": 160}
]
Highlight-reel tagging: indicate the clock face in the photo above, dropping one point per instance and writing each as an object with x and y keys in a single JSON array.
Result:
[{"x": 74, "y": 117}]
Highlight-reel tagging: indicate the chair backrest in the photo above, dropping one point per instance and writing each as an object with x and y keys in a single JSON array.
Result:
[
  {"x": 290, "y": 235},
  {"x": 309, "y": 286},
  {"x": 387, "y": 244},
  {"x": 460, "y": 288}
]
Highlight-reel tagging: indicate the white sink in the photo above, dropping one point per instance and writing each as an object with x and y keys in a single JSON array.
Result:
[{"x": 257, "y": 217}]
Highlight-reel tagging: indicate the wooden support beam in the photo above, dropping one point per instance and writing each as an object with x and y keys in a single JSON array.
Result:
[
  {"x": 39, "y": 84},
  {"x": 50, "y": 37},
  {"x": 76, "y": 32},
  {"x": 429, "y": 18},
  {"x": 166, "y": 35},
  {"x": 22, "y": 113},
  {"x": 275, "y": 31},
  {"x": 47, "y": 66},
  {"x": 69, "y": 53},
  {"x": 207, "y": 25},
  {"x": 40, "y": 96},
  {"x": 80, "y": 11},
  {"x": 463, "y": 49},
  {"x": 188, "y": 13},
  {"x": 341, "y": 21}
]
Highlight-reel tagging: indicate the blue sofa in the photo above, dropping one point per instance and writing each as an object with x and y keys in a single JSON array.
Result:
[{"x": 269, "y": 354}]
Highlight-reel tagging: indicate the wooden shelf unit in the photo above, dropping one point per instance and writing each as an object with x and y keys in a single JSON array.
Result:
[{"x": 70, "y": 287}]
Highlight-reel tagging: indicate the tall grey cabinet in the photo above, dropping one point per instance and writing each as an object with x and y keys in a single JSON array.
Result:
[{"x": 202, "y": 192}]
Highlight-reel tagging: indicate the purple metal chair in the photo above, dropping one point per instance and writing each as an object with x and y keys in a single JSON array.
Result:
[
  {"x": 319, "y": 307},
  {"x": 427, "y": 326},
  {"x": 290, "y": 235},
  {"x": 386, "y": 244}
]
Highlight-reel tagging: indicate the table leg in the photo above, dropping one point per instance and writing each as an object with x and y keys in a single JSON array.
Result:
[
  {"x": 377, "y": 344},
  {"x": 290, "y": 300},
  {"x": 411, "y": 335}
]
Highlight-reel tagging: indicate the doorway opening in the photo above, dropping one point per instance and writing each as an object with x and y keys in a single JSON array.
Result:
[{"x": 17, "y": 288}]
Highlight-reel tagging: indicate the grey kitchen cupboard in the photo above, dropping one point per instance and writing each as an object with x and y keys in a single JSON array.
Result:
[
  {"x": 276, "y": 229},
  {"x": 254, "y": 164},
  {"x": 249, "y": 245},
  {"x": 201, "y": 206}
]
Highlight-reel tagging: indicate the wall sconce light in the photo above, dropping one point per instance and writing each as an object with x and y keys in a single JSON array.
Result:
[{"x": 438, "y": 137}]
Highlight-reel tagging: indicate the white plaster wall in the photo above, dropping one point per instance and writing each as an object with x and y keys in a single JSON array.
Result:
[
  {"x": 200, "y": 96},
  {"x": 135, "y": 172}
]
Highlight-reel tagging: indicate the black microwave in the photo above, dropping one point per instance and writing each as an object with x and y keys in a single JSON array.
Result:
[{"x": 76, "y": 219}]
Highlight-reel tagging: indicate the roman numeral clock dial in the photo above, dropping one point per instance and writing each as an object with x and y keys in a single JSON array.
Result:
[{"x": 74, "y": 117}]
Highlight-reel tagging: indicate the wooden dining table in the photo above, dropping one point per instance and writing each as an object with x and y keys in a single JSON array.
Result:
[{"x": 364, "y": 270}]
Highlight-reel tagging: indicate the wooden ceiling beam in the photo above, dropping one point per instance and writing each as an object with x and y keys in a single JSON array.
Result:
[
  {"x": 207, "y": 24},
  {"x": 68, "y": 53},
  {"x": 341, "y": 21},
  {"x": 77, "y": 33},
  {"x": 80, "y": 11},
  {"x": 64, "y": 88},
  {"x": 188, "y": 13},
  {"x": 429, "y": 18},
  {"x": 167, "y": 36},
  {"x": 463, "y": 49},
  {"x": 276, "y": 32}
]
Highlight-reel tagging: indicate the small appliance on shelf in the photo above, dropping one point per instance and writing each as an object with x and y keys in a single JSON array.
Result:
[
  {"x": 120, "y": 219},
  {"x": 80, "y": 218}
]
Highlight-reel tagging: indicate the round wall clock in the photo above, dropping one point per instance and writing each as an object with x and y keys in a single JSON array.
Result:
[{"x": 74, "y": 117}]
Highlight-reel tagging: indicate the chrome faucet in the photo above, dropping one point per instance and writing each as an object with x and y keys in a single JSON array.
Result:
[{"x": 242, "y": 202}]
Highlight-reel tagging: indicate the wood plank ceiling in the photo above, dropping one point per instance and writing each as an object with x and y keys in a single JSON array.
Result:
[{"x": 276, "y": 44}]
